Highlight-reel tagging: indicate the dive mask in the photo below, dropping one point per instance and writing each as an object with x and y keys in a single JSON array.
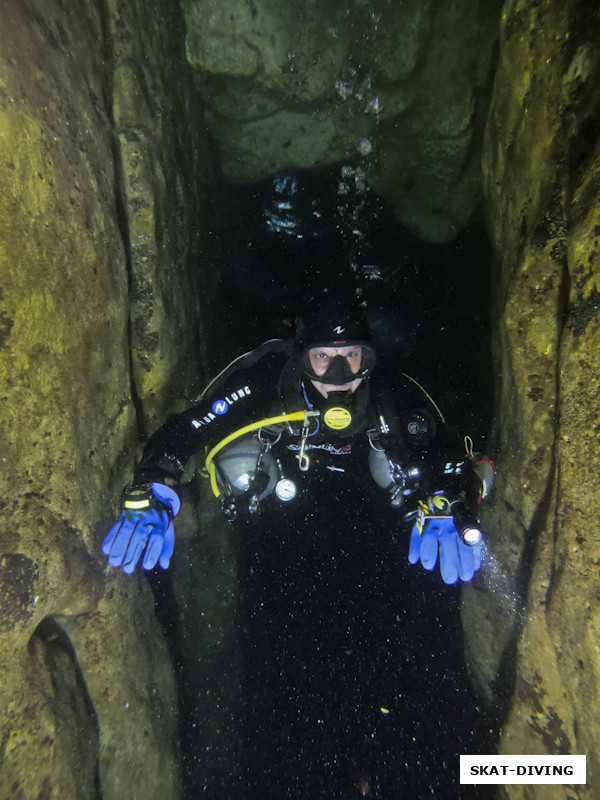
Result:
[{"x": 338, "y": 370}]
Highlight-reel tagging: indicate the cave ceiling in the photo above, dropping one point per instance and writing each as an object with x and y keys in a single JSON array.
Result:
[{"x": 397, "y": 88}]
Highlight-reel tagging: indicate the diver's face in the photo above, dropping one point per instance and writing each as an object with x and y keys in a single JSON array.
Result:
[{"x": 320, "y": 359}]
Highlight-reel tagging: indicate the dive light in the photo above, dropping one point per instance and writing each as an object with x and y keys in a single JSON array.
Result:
[{"x": 465, "y": 523}]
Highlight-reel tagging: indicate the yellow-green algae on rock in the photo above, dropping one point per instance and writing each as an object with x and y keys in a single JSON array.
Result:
[
  {"x": 541, "y": 164},
  {"x": 87, "y": 695},
  {"x": 102, "y": 219}
]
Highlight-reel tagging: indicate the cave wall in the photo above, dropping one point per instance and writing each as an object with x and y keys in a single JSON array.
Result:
[
  {"x": 105, "y": 215},
  {"x": 537, "y": 619},
  {"x": 103, "y": 222},
  {"x": 399, "y": 88}
]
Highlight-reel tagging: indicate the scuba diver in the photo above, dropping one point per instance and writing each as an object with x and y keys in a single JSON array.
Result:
[
  {"x": 324, "y": 468},
  {"x": 289, "y": 411}
]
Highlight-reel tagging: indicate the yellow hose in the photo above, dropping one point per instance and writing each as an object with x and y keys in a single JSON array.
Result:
[{"x": 295, "y": 416}]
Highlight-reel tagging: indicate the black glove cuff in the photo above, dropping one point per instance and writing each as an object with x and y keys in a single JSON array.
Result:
[{"x": 139, "y": 497}]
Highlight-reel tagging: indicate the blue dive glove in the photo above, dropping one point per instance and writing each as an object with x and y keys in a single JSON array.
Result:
[
  {"x": 145, "y": 526},
  {"x": 433, "y": 534}
]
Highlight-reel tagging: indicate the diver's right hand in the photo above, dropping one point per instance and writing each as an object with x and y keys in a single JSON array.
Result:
[{"x": 145, "y": 526}]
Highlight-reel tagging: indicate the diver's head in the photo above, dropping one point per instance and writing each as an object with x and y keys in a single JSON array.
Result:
[
  {"x": 333, "y": 348},
  {"x": 334, "y": 369}
]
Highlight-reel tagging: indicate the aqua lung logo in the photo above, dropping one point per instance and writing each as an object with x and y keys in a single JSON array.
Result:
[
  {"x": 222, "y": 406},
  {"x": 338, "y": 329}
]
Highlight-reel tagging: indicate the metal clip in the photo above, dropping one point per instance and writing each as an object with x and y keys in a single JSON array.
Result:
[{"x": 303, "y": 459}]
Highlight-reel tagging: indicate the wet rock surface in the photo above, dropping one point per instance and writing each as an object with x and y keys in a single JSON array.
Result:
[
  {"x": 399, "y": 87},
  {"x": 541, "y": 178},
  {"x": 94, "y": 171},
  {"x": 106, "y": 214}
]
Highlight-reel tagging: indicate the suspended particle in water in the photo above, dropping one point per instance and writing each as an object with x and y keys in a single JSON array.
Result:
[{"x": 364, "y": 147}]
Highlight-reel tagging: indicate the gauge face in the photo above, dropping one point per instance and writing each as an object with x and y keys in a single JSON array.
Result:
[
  {"x": 337, "y": 418},
  {"x": 285, "y": 490}
]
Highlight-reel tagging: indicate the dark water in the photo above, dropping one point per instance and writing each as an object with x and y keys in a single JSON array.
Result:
[
  {"x": 355, "y": 684},
  {"x": 428, "y": 306},
  {"x": 355, "y": 681}
]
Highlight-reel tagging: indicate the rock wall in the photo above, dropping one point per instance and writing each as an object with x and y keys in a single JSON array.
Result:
[
  {"x": 103, "y": 214},
  {"x": 399, "y": 87},
  {"x": 541, "y": 164}
]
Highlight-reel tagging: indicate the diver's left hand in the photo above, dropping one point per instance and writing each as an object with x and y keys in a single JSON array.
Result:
[{"x": 457, "y": 559}]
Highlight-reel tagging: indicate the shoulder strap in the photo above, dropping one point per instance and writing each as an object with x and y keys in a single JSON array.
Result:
[
  {"x": 428, "y": 396},
  {"x": 246, "y": 360}
]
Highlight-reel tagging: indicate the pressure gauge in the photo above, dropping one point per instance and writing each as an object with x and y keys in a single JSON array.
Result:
[{"x": 285, "y": 489}]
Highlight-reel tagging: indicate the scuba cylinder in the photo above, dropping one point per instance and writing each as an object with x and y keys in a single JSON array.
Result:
[
  {"x": 242, "y": 465},
  {"x": 243, "y": 471}
]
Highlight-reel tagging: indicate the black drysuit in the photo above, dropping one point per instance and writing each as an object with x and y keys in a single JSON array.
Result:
[{"x": 338, "y": 654}]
